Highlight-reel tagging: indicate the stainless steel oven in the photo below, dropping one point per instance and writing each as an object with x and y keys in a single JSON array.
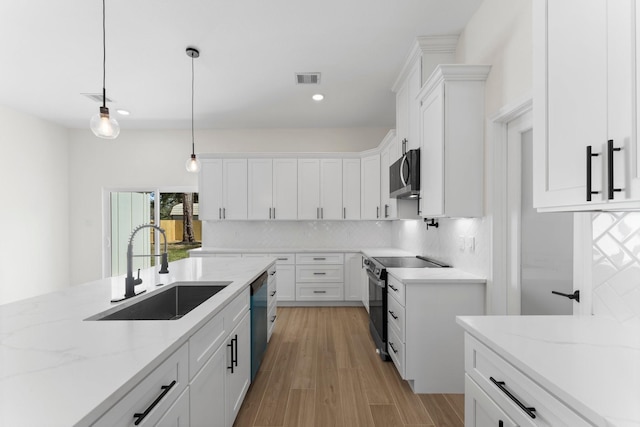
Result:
[{"x": 377, "y": 272}]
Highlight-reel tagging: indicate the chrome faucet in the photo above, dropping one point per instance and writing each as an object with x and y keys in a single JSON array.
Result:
[{"x": 130, "y": 282}]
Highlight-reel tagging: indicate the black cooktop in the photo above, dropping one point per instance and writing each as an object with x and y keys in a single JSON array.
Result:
[{"x": 408, "y": 262}]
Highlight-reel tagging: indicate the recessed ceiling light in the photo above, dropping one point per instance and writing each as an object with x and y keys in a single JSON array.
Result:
[
  {"x": 318, "y": 97},
  {"x": 123, "y": 112}
]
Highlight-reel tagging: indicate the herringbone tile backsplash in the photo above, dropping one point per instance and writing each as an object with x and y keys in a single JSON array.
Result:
[{"x": 616, "y": 265}]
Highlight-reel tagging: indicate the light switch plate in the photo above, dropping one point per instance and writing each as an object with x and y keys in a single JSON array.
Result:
[{"x": 471, "y": 244}]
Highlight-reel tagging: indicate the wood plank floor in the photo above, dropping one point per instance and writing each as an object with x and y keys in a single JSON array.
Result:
[{"x": 320, "y": 370}]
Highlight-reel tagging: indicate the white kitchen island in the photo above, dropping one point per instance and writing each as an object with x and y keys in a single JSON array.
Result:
[
  {"x": 58, "y": 369},
  {"x": 574, "y": 370}
]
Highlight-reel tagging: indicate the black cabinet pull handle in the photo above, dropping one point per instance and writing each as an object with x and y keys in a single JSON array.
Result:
[
  {"x": 393, "y": 348},
  {"x": 500, "y": 423},
  {"x": 501, "y": 385},
  {"x": 141, "y": 416},
  {"x": 590, "y": 154},
  {"x": 319, "y": 292},
  {"x": 393, "y": 288},
  {"x": 273, "y": 318},
  {"x": 273, "y": 293},
  {"x": 219, "y": 213},
  {"x": 272, "y": 273},
  {"x": 575, "y": 295},
  {"x": 386, "y": 211},
  {"x": 274, "y": 213},
  {"x": 344, "y": 213},
  {"x": 319, "y": 273},
  {"x": 235, "y": 348},
  {"x": 393, "y": 315},
  {"x": 230, "y": 367},
  {"x": 610, "y": 164},
  {"x": 283, "y": 259},
  {"x": 377, "y": 211},
  {"x": 319, "y": 259},
  {"x": 269, "y": 213}
]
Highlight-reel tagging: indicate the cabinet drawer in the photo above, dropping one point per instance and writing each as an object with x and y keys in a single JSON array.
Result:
[
  {"x": 480, "y": 410},
  {"x": 271, "y": 275},
  {"x": 271, "y": 320},
  {"x": 235, "y": 310},
  {"x": 284, "y": 258},
  {"x": 320, "y": 258},
  {"x": 324, "y": 292},
  {"x": 319, "y": 273},
  {"x": 174, "y": 372},
  {"x": 205, "y": 342},
  {"x": 396, "y": 351},
  {"x": 395, "y": 288},
  {"x": 396, "y": 318},
  {"x": 482, "y": 364}
]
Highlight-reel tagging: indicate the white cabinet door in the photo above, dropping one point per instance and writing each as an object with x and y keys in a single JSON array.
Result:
[
  {"x": 407, "y": 108},
  {"x": 331, "y": 189},
  {"x": 285, "y": 189},
  {"x": 352, "y": 277},
  {"x": 387, "y": 204},
  {"x": 210, "y": 189},
  {"x": 286, "y": 284},
  {"x": 234, "y": 195},
  {"x": 260, "y": 177},
  {"x": 585, "y": 77},
  {"x": 370, "y": 197},
  {"x": 480, "y": 410},
  {"x": 239, "y": 380},
  {"x": 308, "y": 189},
  {"x": 207, "y": 391},
  {"x": 351, "y": 188},
  {"x": 452, "y": 153}
]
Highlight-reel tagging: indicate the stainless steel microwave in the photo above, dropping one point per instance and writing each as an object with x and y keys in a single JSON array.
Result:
[{"x": 404, "y": 176}]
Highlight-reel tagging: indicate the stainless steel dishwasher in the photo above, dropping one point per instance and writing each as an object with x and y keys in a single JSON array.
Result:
[{"x": 258, "y": 322}]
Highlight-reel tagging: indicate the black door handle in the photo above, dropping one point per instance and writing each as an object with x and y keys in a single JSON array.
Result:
[
  {"x": 612, "y": 189},
  {"x": 575, "y": 295},
  {"x": 141, "y": 416},
  {"x": 502, "y": 386},
  {"x": 590, "y": 154}
]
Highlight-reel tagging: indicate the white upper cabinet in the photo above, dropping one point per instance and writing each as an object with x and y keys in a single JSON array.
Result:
[
  {"x": 585, "y": 89},
  {"x": 351, "y": 188},
  {"x": 273, "y": 188},
  {"x": 452, "y": 139},
  {"x": 389, "y": 154},
  {"x": 370, "y": 195},
  {"x": 407, "y": 107},
  {"x": 222, "y": 189},
  {"x": 320, "y": 189}
]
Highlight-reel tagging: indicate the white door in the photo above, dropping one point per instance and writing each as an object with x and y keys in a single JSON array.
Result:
[
  {"x": 285, "y": 189},
  {"x": 234, "y": 194},
  {"x": 260, "y": 188},
  {"x": 308, "y": 189},
  {"x": 370, "y": 196},
  {"x": 351, "y": 188},
  {"x": 331, "y": 189}
]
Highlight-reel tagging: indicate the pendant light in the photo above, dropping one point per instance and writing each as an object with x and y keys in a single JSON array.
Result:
[
  {"x": 192, "y": 164},
  {"x": 102, "y": 125}
]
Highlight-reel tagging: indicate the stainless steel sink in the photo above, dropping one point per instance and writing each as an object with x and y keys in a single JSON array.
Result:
[{"x": 170, "y": 304}]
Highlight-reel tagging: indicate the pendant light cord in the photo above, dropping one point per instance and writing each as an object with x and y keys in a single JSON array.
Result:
[
  {"x": 193, "y": 144},
  {"x": 104, "y": 56}
]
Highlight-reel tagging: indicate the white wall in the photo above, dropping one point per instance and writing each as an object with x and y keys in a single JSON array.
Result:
[
  {"x": 34, "y": 225},
  {"x": 500, "y": 35},
  {"x": 154, "y": 159}
]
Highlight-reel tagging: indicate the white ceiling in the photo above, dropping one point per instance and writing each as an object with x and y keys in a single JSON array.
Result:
[{"x": 51, "y": 52}]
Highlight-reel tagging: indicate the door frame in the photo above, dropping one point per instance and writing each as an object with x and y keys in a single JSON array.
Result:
[
  {"x": 106, "y": 216},
  {"x": 508, "y": 122}
]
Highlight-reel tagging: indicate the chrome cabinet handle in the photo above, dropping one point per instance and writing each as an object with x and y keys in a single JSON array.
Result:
[
  {"x": 219, "y": 213},
  {"x": 321, "y": 213},
  {"x": 274, "y": 213},
  {"x": 319, "y": 258},
  {"x": 269, "y": 213},
  {"x": 404, "y": 160},
  {"x": 282, "y": 259},
  {"x": 610, "y": 150},
  {"x": 344, "y": 213},
  {"x": 590, "y": 155},
  {"x": 501, "y": 385},
  {"x": 377, "y": 211},
  {"x": 224, "y": 213},
  {"x": 319, "y": 273},
  {"x": 386, "y": 211},
  {"x": 319, "y": 292},
  {"x": 141, "y": 416}
]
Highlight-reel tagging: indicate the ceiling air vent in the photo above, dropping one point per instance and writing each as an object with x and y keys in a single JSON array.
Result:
[
  {"x": 308, "y": 78},
  {"x": 97, "y": 97}
]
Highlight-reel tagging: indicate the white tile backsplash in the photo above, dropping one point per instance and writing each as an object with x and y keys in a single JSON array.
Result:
[
  {"x": 616, "y": 265},
  {"x": 296, "y": 234}
]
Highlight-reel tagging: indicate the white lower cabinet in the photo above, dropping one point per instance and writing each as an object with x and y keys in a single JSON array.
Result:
[
  {"x": 480, "y": 410},
  {"x": 239, "y": 377},
  {"x": 207, "y": 392},
  {"x": 319, "y": 277},
  {"x": 496, "y": 389},
  {"x": 425, "y": 343},
  {"x": 148, "y": 402},
  {"x": 272, "y": 304},
  {"x": 352, "y": 281},
  {"x": 178, "y": 414}
]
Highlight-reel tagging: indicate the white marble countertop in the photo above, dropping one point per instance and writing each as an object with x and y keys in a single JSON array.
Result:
[
  {"x": 433, "y": 275},
  {"x": 56, "y": 369},
  {"x": 590, "y": 363}
]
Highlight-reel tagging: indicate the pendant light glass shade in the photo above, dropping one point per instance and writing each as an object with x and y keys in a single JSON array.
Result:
[
  {"x": 104, "y": 126},
  {"x": 192, "y": 164}
]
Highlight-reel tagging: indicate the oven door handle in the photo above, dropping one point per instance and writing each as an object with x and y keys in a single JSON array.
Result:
[{"x": 373, "y": 278}]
